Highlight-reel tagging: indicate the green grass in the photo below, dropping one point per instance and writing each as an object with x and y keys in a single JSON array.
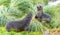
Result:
[
  {"x": 4, "y": 32},
  {"x": 54, "y": 11},
  {"x": 17, "y": 9}
]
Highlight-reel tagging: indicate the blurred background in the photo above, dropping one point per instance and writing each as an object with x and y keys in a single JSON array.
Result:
[{"x": 17, "y": 9}]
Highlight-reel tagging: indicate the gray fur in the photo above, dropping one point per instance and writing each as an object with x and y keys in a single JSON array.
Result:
[{"x": 19, "y": 25}]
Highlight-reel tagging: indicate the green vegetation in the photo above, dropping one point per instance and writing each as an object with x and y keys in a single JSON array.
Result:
[
  {"x": 4, "y": 32},
  {"x": 16, "y": 9},
  {"x": 54, "y": 11}
]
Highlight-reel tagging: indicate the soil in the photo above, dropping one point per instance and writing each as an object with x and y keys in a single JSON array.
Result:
[{"x": 55, "y": 31}]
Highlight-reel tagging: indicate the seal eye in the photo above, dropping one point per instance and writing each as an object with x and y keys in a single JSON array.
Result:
[
  {"x": 37, "y": 7},
  {"x": 40, "y": 6}
]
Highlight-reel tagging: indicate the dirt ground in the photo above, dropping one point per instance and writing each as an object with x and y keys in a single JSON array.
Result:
[{"x": 55, "y": 31}]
